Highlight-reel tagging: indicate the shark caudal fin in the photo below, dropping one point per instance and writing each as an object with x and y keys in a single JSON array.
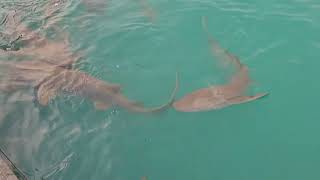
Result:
[
  {"x": 171, "y": 100},
  {"x": 160, "y": 108},
  {"x": 174, "y": 92}
]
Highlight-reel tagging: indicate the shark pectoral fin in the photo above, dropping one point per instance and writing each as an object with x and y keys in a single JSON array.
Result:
[
  {"x": 244, "y": 99},
  {"x": 102, "y": 105},
  {"x": 44, "y": 95}
]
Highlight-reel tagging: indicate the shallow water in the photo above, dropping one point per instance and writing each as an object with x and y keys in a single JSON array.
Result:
[{"x": 272, "y": 138}]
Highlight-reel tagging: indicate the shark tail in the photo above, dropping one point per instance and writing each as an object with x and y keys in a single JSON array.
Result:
[{"x": 162, "y": 107}]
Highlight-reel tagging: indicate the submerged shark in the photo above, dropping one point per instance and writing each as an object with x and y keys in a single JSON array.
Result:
[
  {"x": 103, "y": 94},
  {"x": 220, "y": 96},
  {"x": 49, "y": 81},
  {"x": 51, "y": 74}
]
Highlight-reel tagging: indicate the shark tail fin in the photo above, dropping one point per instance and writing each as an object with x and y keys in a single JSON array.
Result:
[
  {"x": 171, "y": 100},
  {"x": 169, "y": 103},
  {"x": 175, "y": 90}
]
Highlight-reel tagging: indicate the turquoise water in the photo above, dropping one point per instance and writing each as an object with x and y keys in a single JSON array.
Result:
[{"x": 272, "y": 138}]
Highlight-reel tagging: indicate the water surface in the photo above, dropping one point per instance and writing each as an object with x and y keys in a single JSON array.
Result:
[{"x": 272, "y": 138}]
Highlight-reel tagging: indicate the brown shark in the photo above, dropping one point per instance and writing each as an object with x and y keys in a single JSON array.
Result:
[
  {"x": 103, "y": 94},
  {"x": 49, "y": 81},
  {"x": 219, "y": 96},
  {"x": 51, "y": 76}
]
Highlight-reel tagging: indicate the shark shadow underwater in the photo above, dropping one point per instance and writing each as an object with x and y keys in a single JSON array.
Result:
[{"x": 219, "y": 96}]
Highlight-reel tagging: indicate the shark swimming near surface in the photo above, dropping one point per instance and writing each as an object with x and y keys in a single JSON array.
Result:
[
  {"x": 50, "y": 78},
  {"x": 103, "y": 94},
  {"x": 49, "y": 81},
  {"x": 219, "y": 96},
  {"x": 50, "y": 74}
]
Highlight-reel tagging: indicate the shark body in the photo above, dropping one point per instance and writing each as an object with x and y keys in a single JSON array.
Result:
[{"x": 219, "y": 96}]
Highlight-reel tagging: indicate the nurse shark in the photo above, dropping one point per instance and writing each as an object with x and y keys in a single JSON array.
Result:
[
  {"x": 219, "y": 96},
  {"x": 50, "y": 74},
  {"x": 49, "y": 80}
]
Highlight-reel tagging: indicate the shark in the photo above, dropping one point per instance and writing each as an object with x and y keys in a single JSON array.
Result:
[
  {"x": 50, "y": 73},
  {"x": 219, "y": 96},
  {"x": 51, "y": 80},
  {"x": 104, "y": 95}
]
